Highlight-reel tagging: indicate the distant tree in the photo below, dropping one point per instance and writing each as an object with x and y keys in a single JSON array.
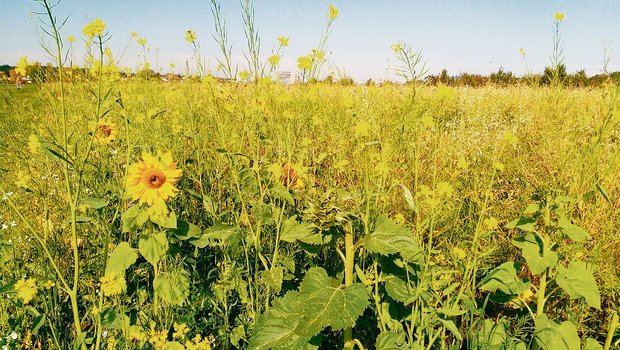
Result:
[
  {"x": 555, "y": 75},
  {"x": 579, "y": 79},
  {"x": 444, "y": 78},
  {"x": 147, "y": 74},
  {"x": 502, "y": 78}
]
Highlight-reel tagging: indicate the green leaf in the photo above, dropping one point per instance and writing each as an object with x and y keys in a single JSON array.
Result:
[
  {"x": 491, "y": 335},
  {"x": 169, "y": 221},
  {"x": 391, "y": 341},
  {"x": 391, "y": 238},
  {"x": 572, "y": 231},
  {"x": 279, "y": 191},
  {"x": 173, "y": 345},
  {"x": 525, "y": 224},
  {"x": 531, "y": 249},
  {"x": 153, "y": 247},
  {"x": 130, "y": 223},
  {"x": 121, "y": 258},
  {"x": 552, "y": 336},
  {"x": 449, "y": 324},
  {"x": 326, "y": 302},
  {"x": 273, "y": 278},
  {"x": 505, "y": 279},
  {"x": 592, "y": 344},
  {"x": 292, "y": 231},
  {"x": 409, "y": 199},
  {"x": 172, "y": 287},
  {"x": 577, "y": 281},
  {"x": 95, "y": 203},
  {"x": 186, "y": 230},
  {"x": 603, "y": 192},
  {"x": 215, "y": 236}
]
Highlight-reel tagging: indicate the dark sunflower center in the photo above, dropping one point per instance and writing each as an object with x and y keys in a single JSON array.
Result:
[
  {"x": 155, "y": 179},
  {"x": 104, "y": 130}
]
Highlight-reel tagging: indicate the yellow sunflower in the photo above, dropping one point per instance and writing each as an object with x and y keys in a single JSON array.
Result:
[
  {"x": 152, "y": 179},
  {"x": 105, "y": 131}
]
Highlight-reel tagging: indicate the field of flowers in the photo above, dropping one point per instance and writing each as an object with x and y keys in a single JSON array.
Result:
[{"x": 200, "y": 214}]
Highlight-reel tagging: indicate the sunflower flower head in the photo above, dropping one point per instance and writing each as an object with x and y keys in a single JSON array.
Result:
[
  {"x": 152, "y": 179},
  {"x": 292, "y": 175},
  {"x": 105, "y": 131}
]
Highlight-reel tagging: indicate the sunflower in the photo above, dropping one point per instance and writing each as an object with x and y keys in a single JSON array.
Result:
[
  {"x": 105, "y": 131},
  {"x": 152, "y": 179},
  {"x": 292, "y": 176}
]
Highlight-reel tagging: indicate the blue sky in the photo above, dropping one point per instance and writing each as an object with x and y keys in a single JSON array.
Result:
[{"x": 476, "y": 36}]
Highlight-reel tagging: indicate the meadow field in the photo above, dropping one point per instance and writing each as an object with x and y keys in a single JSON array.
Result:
[{"x": 214, "y": 214}]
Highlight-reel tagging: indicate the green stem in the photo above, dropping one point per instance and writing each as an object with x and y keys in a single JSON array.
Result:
[
  {"x": 611, "y": 330},
  {"x": 348, "y": 275}
]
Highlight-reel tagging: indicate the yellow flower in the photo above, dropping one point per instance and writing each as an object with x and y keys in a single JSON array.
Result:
[
  {"x": 49, "y": 284},
  {"x": 105, "y": 131},
  {"x": 511, "y": 138},
  {"x": 320, "y": 55},
  {"x": 396, "y": 47},
  {"x": 133, "y": 34},
  {"x": 274, "y": 60},
  {"x": 95, "y": 310},
  {"x": 304, "y": 62},
  {"x": 180, "y": 330},
  {"x": 333, "y": 12},
  {"x": 113, "y": 284},
  {"x": 26, "y": 289},
  {"x": 22, "y": 66},
  {"x": 198, "y": 343},
  {"x": 499, "y": 166},
  {"x": 34, "y": 144},
  {"x": 94, "y": 28},
  {"x": 152, "y": 179},
  {"x": 292, "y": 175},
  {"x": 243, "y": 75},
  {"x": 444, "y": 189},
  {"x": 23, "y": 178},
  {"x": 190, "y": 36},
  {"x": 362, "y": 129},
  {"x": 141, "y": 41},
  {"x": 559, "y": 16},
  {"x": 522, "y": 52},
  {"x": 158, "y": 339},
  {"x": 283, "y": 41},
  {"x": 462, "y": 163},
  {"x": 136, "y": 334},
  {"x": 71, "y": 39},
  {"x": 399, "y": 218},
  {"x": 491, "y": 223}
]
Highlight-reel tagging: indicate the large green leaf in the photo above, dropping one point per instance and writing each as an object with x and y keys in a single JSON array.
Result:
[
  {"x": 525, "y": 224},
  {"x": 186, "y": 230},
  {"x": 552, "y": 336},
  {"x": 532, "y": 251},
  {"x": 329, "y": 303},
  {"x": 292, "y": 231},
  {"x": 172, "y": 287},
  {"x": 391, "y": 341},
  {"x": 153, "y": 247},
  {"x": 391, "y": 238},
  {"x": 504, "y": 278},
  {"x": 130, "y": 218},
  {"x": 572, "y": 231},
  {"x": 215, "y": 236},
  {"x": 95, "y": 203},
  {"x": 592, "y": 344},
  {"x": 577, "y": 281},
  {"x": 491, "y": 335},
  {"x": 121, "y": 258}
]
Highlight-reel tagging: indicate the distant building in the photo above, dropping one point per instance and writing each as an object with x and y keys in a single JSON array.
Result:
[{"x": 286, "y": 77}]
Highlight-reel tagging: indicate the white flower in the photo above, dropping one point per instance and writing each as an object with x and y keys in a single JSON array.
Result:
[
  {"x": 13, "y": 335},
  {"x": 13, "y": 223},
  {"x": 104, "y": 334},
  {"x": 4, "y": 347},
  {"x": 5, "y": 226}
]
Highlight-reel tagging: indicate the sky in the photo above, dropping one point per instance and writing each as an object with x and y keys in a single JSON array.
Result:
[{"x": 474, "y": 36}]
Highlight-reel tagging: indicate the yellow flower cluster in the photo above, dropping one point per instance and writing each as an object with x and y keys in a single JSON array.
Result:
[
  {"x": 559, "y": 16},
  {"x": 332, "y": 13},
  {"x": 198, "y": 343},
  {"x": 94, "y": 28},
  {"x": 190, "y": 36},
  {"x": 283, "y": 41},
  {"x": 113, "y": 284},
  {"x": 26, "y": 289},
  {"x": 180, "y": 330},
  {"x": 274, "y": 60},
  {"x": 304, "y": 62},
  {"x": 34, "y": 144}
]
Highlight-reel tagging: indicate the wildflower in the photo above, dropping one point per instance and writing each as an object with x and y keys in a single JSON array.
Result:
[
  {"x": 34, "y": 144},
  {"x": 136, "y": 334},
  {"x": 428, "y": 121},
  {"x": 491, "y": 223},
  {"x": 511, "y": 138},
  {"x": 23, "y": 178},
  {"x": 190, "y": 36},
  {"x": 362, "y": 129},
  {"x": 105, "y": 131},
  {"x": 13, "y": 335},
  {"x": 133, "y": 34},
  {"x": 71, "y": 39},
  {"x": 22, "y": 66},
  {"x": 180, "y": 330},
  {"x": 152, "y": 179},
  {"x": 522, "y": 52},
  {"x": 198, "y": 343},
  {"x": 5, "y": 226},
  {"x": 498, "y": 166},
  {"x": 243, "y": 75},
  {"x": 333, "y": 12},
  {"x": 304, "y": 62},
  {"x": 444, "y": 189},
  {"x": 396, "y": 47},
  {"x": 158, "y": 339},
  {"x": 274, "y": 60},
  {"x": 26, "y": 289},
  {"x": 399, "y": 218},
  {"x": 559, "y": 16},
  {"x": 319, "y": 55},
  {"x": 49, "y": 284},
  {"x": 113, "y": 284},
  {"x": 292, "y": 175},
  {"x": 462, "y": 163},
  {"x": 94, "y": 28},
  {"x": 13, "y": 223},
  {"x": 283, "y": 41},
  {"x": 95, "y": 310},
  {"x": 141, "y": 41}
]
